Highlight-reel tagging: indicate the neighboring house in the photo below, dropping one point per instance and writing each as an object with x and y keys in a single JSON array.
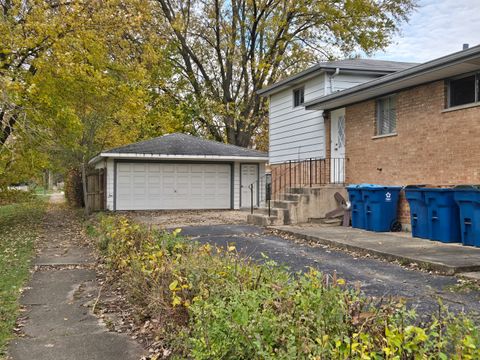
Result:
[
  {"x": 420, "y": 125},
  {"x": 180, "y": 171}
]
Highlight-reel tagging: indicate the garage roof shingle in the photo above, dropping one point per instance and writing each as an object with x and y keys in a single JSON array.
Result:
[{"x": 185, "y": 145}]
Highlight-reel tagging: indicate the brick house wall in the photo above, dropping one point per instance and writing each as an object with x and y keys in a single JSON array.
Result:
[{"x": 432, "y": 146}]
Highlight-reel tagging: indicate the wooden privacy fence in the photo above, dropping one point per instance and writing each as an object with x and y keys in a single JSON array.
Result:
[{"x": 96, "y": 186}]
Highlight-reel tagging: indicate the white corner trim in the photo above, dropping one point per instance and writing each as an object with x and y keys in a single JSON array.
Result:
[{"x": 180, "y": 157}]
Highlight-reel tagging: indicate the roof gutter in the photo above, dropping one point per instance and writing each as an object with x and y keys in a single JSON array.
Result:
[
  {"x": 290, "y": 81},
  {"x": 175, "y": 157},
  {"x": 425, "y": 68}
]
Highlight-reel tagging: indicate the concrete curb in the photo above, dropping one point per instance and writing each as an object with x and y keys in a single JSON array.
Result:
[{"x": 404, "y": 260}]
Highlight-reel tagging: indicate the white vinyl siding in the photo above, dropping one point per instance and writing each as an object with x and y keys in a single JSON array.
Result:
[
  {"x": 345, "y": 81},
  {"x": 110, "y": 183},
  {"x": 296, "y": 133},
  {"x": 291, "y": 128},
  {"x": 236, "y": 185}
]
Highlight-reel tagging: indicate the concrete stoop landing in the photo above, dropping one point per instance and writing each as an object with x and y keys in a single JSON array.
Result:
[
  {"x": 447, "y": 259},
  {"x": 298, "y": 205}
]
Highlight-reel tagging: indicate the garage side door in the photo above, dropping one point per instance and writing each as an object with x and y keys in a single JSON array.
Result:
[{"x": 151, "y": 186}]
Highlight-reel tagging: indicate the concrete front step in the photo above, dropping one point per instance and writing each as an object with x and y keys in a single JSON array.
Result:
[
  {"x": 325, "y": 221},
  {"x": 273, "y": 211},
  {"x": 290, "y": 197},
  {"x": 282, "y": 204},
  {"x": 296, "y": 205},
  {"x": 262, "y": 220}
]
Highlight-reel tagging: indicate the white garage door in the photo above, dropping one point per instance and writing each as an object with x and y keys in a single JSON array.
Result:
[{"x": 151, "y": 186}]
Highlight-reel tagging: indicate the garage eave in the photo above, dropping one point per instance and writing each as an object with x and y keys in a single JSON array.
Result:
[
  {"x": 95, "y": 159},
  {"x": 133, "y": 156}
]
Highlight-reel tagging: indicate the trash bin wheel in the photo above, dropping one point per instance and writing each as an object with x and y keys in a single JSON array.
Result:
[{"x": 396, "y": 226}]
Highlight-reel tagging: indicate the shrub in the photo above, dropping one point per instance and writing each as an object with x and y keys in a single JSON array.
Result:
[
  {"x": 73, "y": 188},
  {"x": 12, "y": 196},
  {"x": 212, "y": 303}
]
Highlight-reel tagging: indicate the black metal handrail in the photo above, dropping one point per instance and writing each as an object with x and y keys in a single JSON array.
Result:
[{"x": 297, "y": 173}]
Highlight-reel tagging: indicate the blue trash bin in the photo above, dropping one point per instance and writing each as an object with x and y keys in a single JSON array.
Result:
[
  {"x": 468, "y": 200},
  {"x": 380, "y": 206},
  {"x": 357, "y": 206},
  {"x": 443, "y": 215},
  {"x": 415, "y": 196}
]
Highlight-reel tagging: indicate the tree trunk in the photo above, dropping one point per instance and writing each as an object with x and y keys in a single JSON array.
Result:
[
  {"x": 50, "y": 179},
  {"x": 243, "y": 138},
  {"x": 45, "y": 181},
  {"x": 84, "y": 187}
]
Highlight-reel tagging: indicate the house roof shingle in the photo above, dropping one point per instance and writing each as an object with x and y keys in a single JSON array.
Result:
[
  {"x": 367, "y": 64},
  {"x": 184, "y": 145},
  {"x": 357, "y": 65}
]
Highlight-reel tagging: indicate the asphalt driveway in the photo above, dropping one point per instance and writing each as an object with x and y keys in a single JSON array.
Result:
[{"x": 376, "y": 278}]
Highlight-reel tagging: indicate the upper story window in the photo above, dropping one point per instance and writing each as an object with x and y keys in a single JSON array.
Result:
[
  {"x": 463, "y": 90},
  {"x": 386, "y": 115},
  {"x": 298, "y": 97}
]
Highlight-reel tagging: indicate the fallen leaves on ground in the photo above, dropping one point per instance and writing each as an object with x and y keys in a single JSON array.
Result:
[
  {"x": 182, "y": 218},
  {"x": 19, "y": 225}
]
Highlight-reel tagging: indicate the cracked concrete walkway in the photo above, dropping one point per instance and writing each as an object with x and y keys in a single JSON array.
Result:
[{"x": 57, "y": 323}]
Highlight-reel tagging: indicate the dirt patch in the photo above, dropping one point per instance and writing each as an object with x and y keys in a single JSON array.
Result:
[{"x": 183, "y": 218}]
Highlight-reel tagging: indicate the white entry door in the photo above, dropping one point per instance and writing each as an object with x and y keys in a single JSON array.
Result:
[
  {"x": 337, "y": 146},
  {"x": 152, "y": 186},
  {"x": 249, "y": 176}
]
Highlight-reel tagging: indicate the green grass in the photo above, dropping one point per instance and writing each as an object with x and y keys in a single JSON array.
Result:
[
  {"x": 40, "y": 190},
  {"x": 19, "y": 224}
]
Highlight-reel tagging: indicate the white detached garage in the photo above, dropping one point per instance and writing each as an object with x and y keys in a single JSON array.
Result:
[{"x": 180, "y": 171}]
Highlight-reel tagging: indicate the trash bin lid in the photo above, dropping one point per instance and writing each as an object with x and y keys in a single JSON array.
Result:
[
  {"x": 414, "y": 187},
  {"x": 467, "y": 188},
  {"x": 439, "y": 189},
  {"x": 380, "y": 187},
  {"x": 358, "y": 186},
  {"x": 369, "y": 186}
]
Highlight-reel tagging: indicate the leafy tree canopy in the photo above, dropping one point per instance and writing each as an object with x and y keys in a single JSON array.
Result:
[
  {"x": 96, "y": 84},
  {"x": 80, "y": 76},
  {"x": 226, "y": 50}
]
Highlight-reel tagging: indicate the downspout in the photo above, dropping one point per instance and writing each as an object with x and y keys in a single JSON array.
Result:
[{"x": 330, "y": 78}]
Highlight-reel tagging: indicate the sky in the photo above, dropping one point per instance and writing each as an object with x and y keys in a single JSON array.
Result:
[{"x": 436, "y": 28}]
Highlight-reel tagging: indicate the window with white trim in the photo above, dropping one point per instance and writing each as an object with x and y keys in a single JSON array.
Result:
[
  {"x": 463, "y": 90},
  {"x": 298, "y": 97},
  {"x": 386, "y": 115}
]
